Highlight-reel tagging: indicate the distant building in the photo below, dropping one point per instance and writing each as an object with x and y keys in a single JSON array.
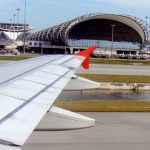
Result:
[{"x": 12, "y": 34}]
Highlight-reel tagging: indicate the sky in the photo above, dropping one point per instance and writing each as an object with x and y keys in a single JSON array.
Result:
[{"x": 44, "y": 13}]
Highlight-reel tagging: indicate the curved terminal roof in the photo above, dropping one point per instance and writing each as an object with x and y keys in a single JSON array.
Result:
[{"x": 98, "y": 27}]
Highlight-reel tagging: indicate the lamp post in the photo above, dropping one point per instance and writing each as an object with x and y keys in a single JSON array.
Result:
[
  {"x": 146, "y": 17},
  {"x": 24, "y": 40},
  {"x": 14, "y": 18},
  {"x": 11, "y": 22},
  {"x": 18, "y": 9},
  {"x": 14, "y": 27},
  {"x": 112, "y": 38}
]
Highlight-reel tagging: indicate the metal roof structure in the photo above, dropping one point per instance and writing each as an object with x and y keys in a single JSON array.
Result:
[
  {"x": 128, "y": 28},
  {"x": 11, "y": 27},
  {"x": 12, "y": 31}
]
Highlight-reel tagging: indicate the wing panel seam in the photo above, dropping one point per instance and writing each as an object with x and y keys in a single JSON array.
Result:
[
  {"x": 13, "y": 97},
  {"x": 29, "y": 71},
  {"x": 32, "y": 98}
]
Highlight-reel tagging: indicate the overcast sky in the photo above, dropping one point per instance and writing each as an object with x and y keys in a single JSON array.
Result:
[{"x": 45, "y": 13}]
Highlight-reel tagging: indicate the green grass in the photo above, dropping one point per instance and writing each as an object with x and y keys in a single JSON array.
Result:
[
  {"x": 14, "y": 57},
  {"x": 104, "y": 106},
  {"x": 117, "y": 78},
  {"x": 119, "y": 61}
]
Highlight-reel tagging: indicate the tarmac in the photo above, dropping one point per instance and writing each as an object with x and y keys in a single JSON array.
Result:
[
  {"x": 116, "y": 69},
  {"x": 113, "y": 131}
]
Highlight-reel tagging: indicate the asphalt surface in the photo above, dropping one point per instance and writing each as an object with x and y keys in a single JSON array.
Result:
[
  {"x": 116, "y": 69},
  {"x": 113, "y": 131}
]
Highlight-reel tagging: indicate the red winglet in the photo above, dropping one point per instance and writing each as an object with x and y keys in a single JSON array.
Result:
[{"x": 86, "y": 53}]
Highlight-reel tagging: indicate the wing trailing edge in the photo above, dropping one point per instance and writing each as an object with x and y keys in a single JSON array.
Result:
[
  {"x": 58, "y": 119},
  {"x": 79, "y": 83},
  {"x": 7, "y": 147}
]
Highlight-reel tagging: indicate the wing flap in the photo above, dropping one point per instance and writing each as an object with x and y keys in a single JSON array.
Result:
[
  {"x": 79, "y": 83},
  {"x": 60, "y": 119},
  {"x": 5, "y": 147}
]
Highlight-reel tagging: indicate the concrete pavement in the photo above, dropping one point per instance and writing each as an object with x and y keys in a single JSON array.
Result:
[
  {"x": 113, "y": 131},
  {"x": 116, "y": 69}
]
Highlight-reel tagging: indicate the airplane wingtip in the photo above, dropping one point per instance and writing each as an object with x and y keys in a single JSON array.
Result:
[{"x": 86, "y": 53}]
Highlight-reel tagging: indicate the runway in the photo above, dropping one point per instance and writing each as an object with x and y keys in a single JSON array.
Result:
[
  {"x": 116, "y": 69},
  {"x": 113, "y": 131}
]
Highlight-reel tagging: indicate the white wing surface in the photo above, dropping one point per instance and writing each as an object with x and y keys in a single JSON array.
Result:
[{"x": 28, "y": 89}]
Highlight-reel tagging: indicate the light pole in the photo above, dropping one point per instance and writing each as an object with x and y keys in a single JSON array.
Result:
[
  {"x": 24, "y": 40},
  {"x": 18, "y": 9},
  {"x": 11, "y": 21},
  {"x": 14, "y": 18},
  {"x": 14, "y": 27},
  {"x": 146, "y": 17},
  {"x": 112, "y": 38}
]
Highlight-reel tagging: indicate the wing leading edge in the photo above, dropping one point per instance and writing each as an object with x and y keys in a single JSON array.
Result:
[{"x": 29, "y": 92}]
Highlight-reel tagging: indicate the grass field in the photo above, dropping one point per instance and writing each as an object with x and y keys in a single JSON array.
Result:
[
  {"x": 104, "y": 106},
  {"x": 119, "y": 61},
  {"x": 117, "y": 78},
  {"x": 14, "y": 57}
]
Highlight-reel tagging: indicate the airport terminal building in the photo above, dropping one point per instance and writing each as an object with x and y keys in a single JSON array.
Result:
[
  {"x": 10, "y": 32},
  {"x": 114, "y": 33},
  {"x": 12, "y": 36}
]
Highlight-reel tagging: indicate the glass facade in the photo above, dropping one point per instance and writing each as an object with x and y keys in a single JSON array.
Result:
[{"x": 103, "y": 44}]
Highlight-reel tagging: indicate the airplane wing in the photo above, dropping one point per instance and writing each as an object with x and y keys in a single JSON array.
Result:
[{"x": 28, "y": 90}]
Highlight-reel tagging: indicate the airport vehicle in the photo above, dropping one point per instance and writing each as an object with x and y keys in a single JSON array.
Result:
[
  {"x": 28, "y": 90},
  {"x": 9, "y": 49}
]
